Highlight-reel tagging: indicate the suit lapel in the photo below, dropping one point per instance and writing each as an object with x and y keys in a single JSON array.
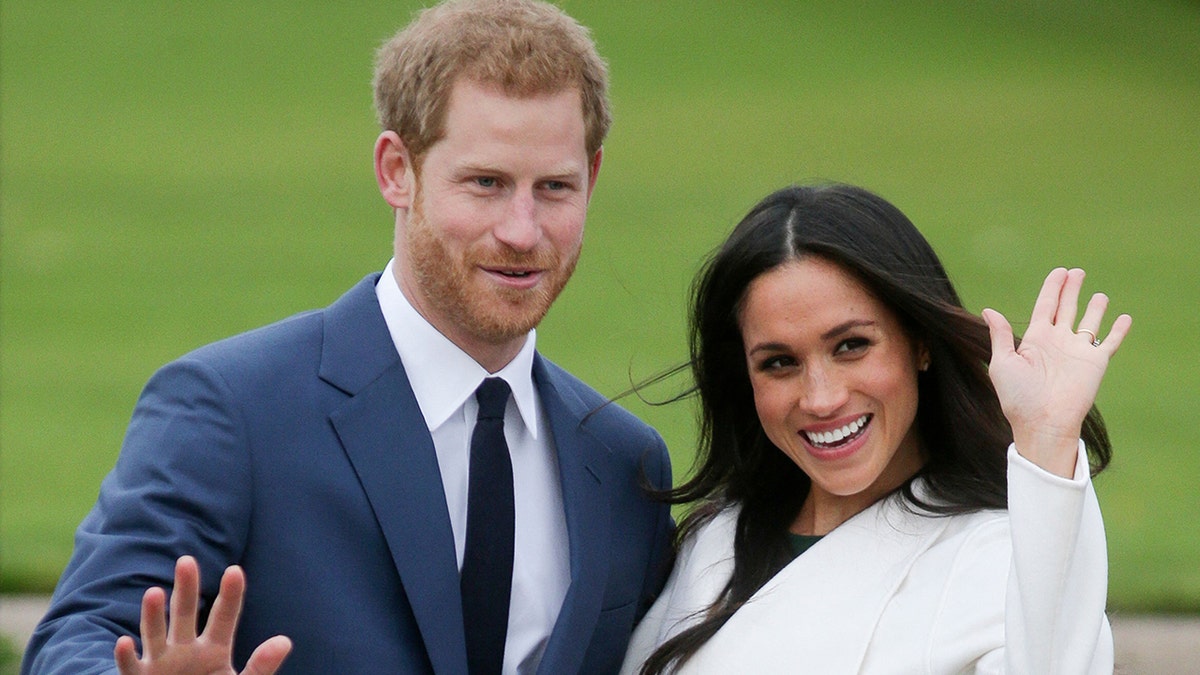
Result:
[
  {"x": 386, "y": 440},
  {"x": 839, "y": 587},
  {"x": 582, "y": 461}
]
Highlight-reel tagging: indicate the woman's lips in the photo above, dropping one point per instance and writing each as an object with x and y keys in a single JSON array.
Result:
[{"x": 838, "y": 441}]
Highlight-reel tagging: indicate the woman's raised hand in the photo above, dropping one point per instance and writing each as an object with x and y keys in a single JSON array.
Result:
[
  {"x": 177, "y": 649},
  {"x": 1048, "y": 384}
]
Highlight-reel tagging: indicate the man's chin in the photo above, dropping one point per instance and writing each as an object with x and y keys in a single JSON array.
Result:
[
  {"x": 506, "y": 328},
  {"x": 501, "y": 315}
]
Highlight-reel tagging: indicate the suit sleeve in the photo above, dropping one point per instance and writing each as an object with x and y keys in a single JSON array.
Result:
[
  {"x": 659, "y": 473},
  {"x": 1054, "y": 620},
  {"x": 181, "y": 485},
  {"x": 701, "y": 571}
]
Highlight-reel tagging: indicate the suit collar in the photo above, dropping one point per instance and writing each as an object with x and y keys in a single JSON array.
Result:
[
  {"x": 582, "y": 459},
  {"x": 384, "y": 436},
  {"x": 399, "y": 473},
  {"x": 356, "y": 347}
]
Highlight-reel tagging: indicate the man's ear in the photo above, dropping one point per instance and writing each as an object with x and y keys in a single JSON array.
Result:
[
  {"x": 595, "y": 171},
  {"x": 394, "y": 170}
]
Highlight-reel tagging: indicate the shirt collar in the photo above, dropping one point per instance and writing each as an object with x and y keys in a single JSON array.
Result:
[{"x": 441, "y": 374}]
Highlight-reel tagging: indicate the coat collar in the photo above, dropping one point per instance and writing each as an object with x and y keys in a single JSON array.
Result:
[{"x": 853, "y": 572}]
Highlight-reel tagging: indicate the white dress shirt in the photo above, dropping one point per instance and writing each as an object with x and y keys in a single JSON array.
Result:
[{"x": 444, "y": 379}]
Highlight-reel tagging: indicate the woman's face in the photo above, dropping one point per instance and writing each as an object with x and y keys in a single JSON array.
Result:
[{"x": 835, "y": 382}]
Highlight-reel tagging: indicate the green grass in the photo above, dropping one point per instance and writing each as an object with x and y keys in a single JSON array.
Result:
[
  {"x": 10, "y": 658},
  {"x": 174, "y": 173}
]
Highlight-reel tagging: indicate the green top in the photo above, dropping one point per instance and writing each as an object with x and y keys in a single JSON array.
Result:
[{"x": 802, "y": 542}]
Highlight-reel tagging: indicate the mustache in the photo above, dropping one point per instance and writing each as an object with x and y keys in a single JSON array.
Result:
[{"x": 540, "y": 259}]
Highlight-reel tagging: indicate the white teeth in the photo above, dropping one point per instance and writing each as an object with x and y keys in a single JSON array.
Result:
[{"x": 837, "y": 435}]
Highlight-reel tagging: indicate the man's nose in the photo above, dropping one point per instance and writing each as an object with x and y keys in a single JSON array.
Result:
[{"x": 519, "y": 229}]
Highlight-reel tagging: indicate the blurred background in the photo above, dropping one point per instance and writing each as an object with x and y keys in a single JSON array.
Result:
[{"x": 173, "y": 173}]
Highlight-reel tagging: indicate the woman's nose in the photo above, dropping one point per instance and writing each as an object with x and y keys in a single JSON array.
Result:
[{"x": 823, "y": 392}]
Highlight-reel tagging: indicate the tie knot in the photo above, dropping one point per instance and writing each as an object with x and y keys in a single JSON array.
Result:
[{"x": 492, "y": 396}]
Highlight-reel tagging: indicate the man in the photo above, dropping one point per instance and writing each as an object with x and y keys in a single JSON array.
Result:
[{"x": 329, "y": 456}]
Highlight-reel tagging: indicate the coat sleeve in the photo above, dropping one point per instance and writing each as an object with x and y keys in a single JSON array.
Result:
[
  {"x": 180, "y": 485},
  {"x": 1058, "y": 580}
]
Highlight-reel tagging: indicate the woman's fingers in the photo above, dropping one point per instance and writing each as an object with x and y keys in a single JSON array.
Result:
[
  {"x": 1068, "y": 299},
  {"x": 1089, "y": 325},
  {"x": 1116, "y": 334},
  {"x": 1001, "y": 333},
  {"x": 1045, "y": 308}
]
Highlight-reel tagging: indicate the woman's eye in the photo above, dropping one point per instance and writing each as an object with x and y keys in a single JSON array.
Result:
[
  {"x": 851, "y": 345},
  {"x": 774, "y": 363}
]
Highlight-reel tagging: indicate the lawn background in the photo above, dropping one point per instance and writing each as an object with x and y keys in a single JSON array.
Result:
[{"x": 173, "y": 173}]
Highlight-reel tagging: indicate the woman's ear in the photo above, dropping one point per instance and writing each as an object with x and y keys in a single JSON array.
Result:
[
  {"x": 923, "y": 358},
  {"x": 394, "y": 170}
]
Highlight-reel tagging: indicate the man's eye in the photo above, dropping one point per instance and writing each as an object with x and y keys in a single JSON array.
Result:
[
  {"x": 486, "y": 182},
  {"x": 556, "y": 185}
]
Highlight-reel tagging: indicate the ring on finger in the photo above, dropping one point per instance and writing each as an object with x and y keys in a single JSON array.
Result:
[{"x": 1095, "y": 340}]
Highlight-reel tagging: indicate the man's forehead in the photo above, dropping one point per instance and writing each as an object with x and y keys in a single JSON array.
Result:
[
  {"x": 475, "y": 108},
  {"x": 466, "y": 85}
]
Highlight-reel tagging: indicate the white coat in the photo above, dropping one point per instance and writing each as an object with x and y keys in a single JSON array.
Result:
[{"x": 890, "y": 591}]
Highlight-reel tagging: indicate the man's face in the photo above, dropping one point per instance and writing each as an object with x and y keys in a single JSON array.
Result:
[{"x": 496, "y": 223}]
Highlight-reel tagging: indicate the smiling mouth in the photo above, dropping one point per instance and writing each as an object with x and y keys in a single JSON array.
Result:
[
  {"x": 513, "y": 274},
  {"x": 836, "y": 438}
]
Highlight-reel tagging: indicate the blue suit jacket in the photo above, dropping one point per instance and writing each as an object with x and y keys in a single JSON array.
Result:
[{"x": 298, "y": 451}]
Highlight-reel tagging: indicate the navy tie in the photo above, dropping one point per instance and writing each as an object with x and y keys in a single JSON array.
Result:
[{"x": 486, "y": 581}]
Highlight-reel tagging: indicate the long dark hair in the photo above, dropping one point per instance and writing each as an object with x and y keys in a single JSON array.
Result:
[{"x": 965, "y": 434}]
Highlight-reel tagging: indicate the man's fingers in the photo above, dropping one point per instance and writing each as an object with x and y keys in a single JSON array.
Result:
[
  {"x": 185, "y": 601},
  {"x": 154, "y": 622},
  {"x": 125, "y": 654},
  {"x": 223, "y": 620},
  {"x": 175, "y": 641},
  {"x": 267, "y": 658}
]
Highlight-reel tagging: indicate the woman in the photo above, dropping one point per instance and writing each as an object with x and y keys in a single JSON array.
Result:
[{"x": 872, "y": 496}]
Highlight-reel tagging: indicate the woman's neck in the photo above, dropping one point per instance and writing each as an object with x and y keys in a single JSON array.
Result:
[{"x": 822, "y": 511}]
